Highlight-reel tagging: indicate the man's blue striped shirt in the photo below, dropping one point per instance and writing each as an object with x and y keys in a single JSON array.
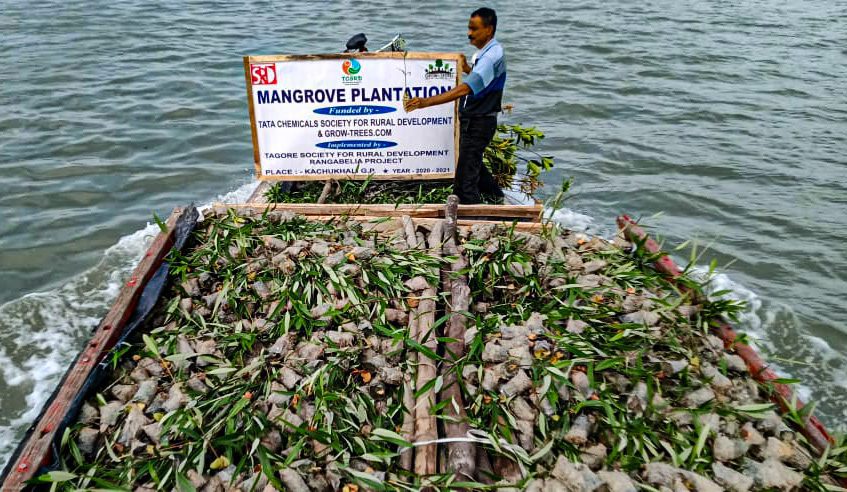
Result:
[{"x": 487, "y": 81}]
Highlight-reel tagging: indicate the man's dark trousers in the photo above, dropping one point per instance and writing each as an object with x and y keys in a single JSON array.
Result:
[{"x": 472, "y": 177}]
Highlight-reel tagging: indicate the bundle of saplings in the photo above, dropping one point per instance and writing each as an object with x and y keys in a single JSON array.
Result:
[
  {"x": 393, "y": 355},
  {"x": 281, "y": 358},
  {"x": 585, "y": 370},
  {"x": 367, "y": 191}
]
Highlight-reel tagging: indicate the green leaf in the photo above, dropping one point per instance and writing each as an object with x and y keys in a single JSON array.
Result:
[
  {"x": 221, "y": 370},
  {"x": 701, "y": 441},
  {"x": 384, "y": 458},
  {"x": 542, "y": 452},
  {"x": 755, "y": 408},
  {"x": 439, "y": 382},
  {"x": 472, "y": 247},
  {"x": 468, "y": 485},
  {"x": 179, "y": 357},
  {"x": 834, "y": 488},
  {"x": 151, "y": 344},
  {"x": 56, "y": 476},
  {"x": 365, "y": 478},
  {"x": 183, "y": 484},
  {"x": 392, "y": 437},
  {"x": 161, "y": 223},
  {"x": 331, "y": 273},
  {"x": 238, "y": 407},
  {"x": 609, "y": 363},
  {"x": 268, "y": 469},
  {"x": 423, "y": 349}
]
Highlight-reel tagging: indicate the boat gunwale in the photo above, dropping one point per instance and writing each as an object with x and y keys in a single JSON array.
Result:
[
  {"x": 35, "y": 449},
  {"x": 784, "y": 396}
]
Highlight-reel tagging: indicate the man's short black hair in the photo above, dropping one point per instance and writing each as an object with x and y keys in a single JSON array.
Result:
[{"x": 488, "y": 16}]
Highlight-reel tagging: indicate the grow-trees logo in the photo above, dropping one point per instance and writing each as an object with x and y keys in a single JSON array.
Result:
[
  {"x": 439, "y": 70},
  {"x": 351, "y": 69}
]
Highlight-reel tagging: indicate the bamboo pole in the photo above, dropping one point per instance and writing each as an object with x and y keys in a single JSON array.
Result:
[
  {"x": 409, "y": 228},
  {"x": 483, "y": 465},
  {"x": 408, "y": 429},
  {"x": 407, "y": 460},
  {"x": 460, "y": 455},
  {"x": 446, "y": 285},
  {"x": 325, "y": 191},
  {"x": 426, "y": 425},
  {"x": 451, "y": 218},
  {"x": 363, "y": 215}
]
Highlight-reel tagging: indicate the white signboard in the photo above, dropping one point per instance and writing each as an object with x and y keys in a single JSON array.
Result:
[{"x": 317, "y": 117}]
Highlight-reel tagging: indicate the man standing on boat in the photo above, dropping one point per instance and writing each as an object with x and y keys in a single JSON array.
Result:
[{"x": 482, "y": 94}]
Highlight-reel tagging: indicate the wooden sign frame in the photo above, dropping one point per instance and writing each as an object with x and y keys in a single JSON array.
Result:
[{"x": 250, "y": 59}]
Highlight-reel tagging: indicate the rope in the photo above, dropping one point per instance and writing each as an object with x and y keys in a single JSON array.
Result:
[{"x": 476, "y": 436}]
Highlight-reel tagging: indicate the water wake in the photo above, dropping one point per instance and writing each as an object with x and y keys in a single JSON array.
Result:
[{"x": 53, "y": 325}]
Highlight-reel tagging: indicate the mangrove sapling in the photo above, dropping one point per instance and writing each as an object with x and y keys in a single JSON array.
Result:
[
  {"x": 621, "y": 377},
  {"x": 511, "y": 146},
  {"x": 283, "y": 355},
  {"x": 368, "y": 191},
  {"x": 263, "y": 374}
]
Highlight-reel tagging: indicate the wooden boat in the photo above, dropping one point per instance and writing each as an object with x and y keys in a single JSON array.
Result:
[{"x": 38, "y": 449}]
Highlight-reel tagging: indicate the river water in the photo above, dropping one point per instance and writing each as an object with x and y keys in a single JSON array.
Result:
[{"x": 727, "y": 118}]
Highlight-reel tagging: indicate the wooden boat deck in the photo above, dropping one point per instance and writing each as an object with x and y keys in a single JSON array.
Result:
[{"x": 36, "y": 450}]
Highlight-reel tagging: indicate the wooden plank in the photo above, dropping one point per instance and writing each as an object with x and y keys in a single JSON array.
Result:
[
  {"x": 399, "y": 55},
  {"x": 533, "y": 227},
  {"x": 252, "y": 111},
  {"x": 356, "y": 177},
  {"x": 340, "y": 209},
  {"x": 258, "y": 195},
  {"x": 532, "y": 212},
  {"x": 37, "y": 449}
]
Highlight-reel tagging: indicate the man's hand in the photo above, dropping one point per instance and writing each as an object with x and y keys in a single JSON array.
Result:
[
  {"x": 415, "y": 103},
  {"x": 445, "y": 97},
  {"x": 463, "y": 63}
]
